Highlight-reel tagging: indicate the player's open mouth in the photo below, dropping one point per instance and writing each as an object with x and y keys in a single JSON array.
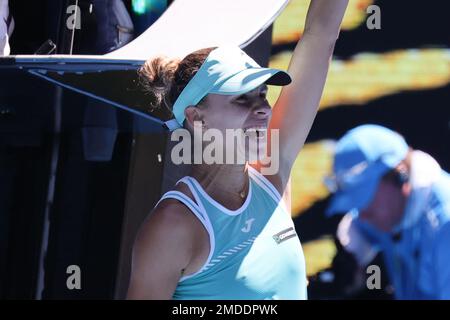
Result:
[{"x": 258, "y": 132}]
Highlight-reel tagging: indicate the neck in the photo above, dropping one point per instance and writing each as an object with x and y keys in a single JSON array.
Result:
[{"x": 221, "y": 180}]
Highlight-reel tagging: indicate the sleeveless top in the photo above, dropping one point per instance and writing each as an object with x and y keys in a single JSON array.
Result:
[{"x": 255, "y": 252}]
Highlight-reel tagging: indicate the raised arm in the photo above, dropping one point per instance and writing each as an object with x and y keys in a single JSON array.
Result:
[{"x": 296, "y": 107}]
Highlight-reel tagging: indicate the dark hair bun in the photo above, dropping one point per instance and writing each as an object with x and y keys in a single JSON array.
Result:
[{"x": 156, "y": 78}]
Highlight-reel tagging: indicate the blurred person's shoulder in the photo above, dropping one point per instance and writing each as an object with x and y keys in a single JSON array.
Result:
[
  {"x": 440, "y": 198},
  {"x": 427, "y": 174}
]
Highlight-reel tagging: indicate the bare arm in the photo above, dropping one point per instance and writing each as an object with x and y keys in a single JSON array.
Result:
[
  {"x": 296, "y": 107},
  {"x": 162, "y": 250}
]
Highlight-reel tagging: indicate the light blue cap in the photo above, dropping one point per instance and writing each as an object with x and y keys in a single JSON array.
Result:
[
  {"x": 227, "y": 70},
  {"x": 362, "y": 156}
]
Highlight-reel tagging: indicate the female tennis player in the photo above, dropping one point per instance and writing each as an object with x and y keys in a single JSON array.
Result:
[{"x": 224, "y": 231}]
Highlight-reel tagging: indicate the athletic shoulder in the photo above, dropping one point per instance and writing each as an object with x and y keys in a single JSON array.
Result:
[
  {"x": 170, "y": 217},
  {"x": 163, "y": 250}
]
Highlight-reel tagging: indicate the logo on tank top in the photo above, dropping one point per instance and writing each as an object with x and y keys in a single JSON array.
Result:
[
  {"x": 284, "y": 235},
  {"x": 248, "y": 225}
]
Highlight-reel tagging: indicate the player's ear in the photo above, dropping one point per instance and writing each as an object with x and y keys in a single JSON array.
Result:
[{"x": 193, "y": 117}]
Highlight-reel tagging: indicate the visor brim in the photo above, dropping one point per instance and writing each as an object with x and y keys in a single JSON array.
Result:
[{"x": 251, "y": 78}]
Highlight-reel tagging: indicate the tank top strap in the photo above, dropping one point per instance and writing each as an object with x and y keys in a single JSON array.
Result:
[
  {"x": 188, "y": 181},
  {"x": 186, "y": 201},
  {"x": 265, "y": 184}
]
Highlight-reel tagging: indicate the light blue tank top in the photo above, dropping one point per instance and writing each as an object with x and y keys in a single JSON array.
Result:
[{"x": 254, "y": 251}]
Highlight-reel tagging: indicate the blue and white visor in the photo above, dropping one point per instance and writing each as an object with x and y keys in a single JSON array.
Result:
[{"x": 227, "y": 70}]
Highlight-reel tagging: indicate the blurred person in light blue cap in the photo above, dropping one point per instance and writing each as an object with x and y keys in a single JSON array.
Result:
[
  {"x": 397, "y": 202},
  {"x": 216, "y": 234}
]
